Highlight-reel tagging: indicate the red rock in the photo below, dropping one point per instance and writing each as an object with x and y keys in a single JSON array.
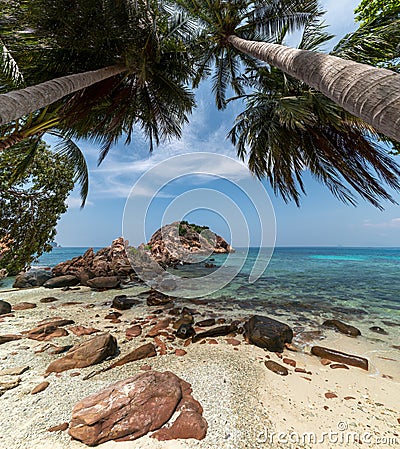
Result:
[
  {"x": 133, "y": 331},
  {"x": 306, "y": 378},
  {"x": 276, "y": 368},
  {"x": 340, "y": 357},
  {"x": 145, "y": 368},
  {"x": 325, "y": 362},
  {"x": 290, "y": 362},
  {"x": 326, "y": 407},
  {"x": 48, "y": 329},
  {"x": 75, "y": 374},
  {"x": 189, "y": 423},
  {"x": 180, "y": 352},
  {"x": 142, "y": 352},
  {"x": 9, "y": 337},
  {"x": 113, "y": 316},
  {"x": 163, "y": 324},
  {"x": 212, "y": 341},
  {"x": 187, "y": 343},
  {"x": 330, "y": 395},
  {"x": 338, "y": 365},
  {"x": 90, "y": 352},
  {"x": 24, "y": 306},
  {"x": 347, "y": 398},
  {"x": 60, "y": 427},
  {"x": 82, "y": 330},
  {"x": 41, "y": 387},
  {"x": 233, "y": 341},
  {"x": 161, "y": 345},
  {"x": 126, "y": 409}
]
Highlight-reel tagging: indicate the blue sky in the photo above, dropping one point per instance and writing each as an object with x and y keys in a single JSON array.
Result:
[{"x": 321, "y": 220}]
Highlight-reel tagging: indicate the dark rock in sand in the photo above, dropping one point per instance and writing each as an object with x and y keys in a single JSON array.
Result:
[
  {"x": 186, "y": 318},
  {"x": 113, "y": 316},
  {"x": 5, "y": 307},
  {"x": 24, "y": 306},
  {"x": 32, "y": 278},
  {"x": 343, "y": 328},
  {"x": 129, "y": 409},
  {"x": 85, "y": 354},
  {"x": 123, "y": 302},
  {"x": 185, "y": 331},
  {"x": 219, "y": 331},
  {"x": 48, "y": 330},
  {"x": 206, "y": 323},
  {"x": 48, "y": 299},
  {"x": 268, "y": 333},
  {"x": 59, "y": 427},
  {"x": 341, "y": 357},
  {"x": 156, "y": 298},
  {"x": 156, "y": 329},
  {"x": 276, "y": 368},
  {"x": 9, "y": 337},
  {"x": 378, "y": 330},
  {"x": 104, "y": 282},
  {"x": 61, "y": 281}
]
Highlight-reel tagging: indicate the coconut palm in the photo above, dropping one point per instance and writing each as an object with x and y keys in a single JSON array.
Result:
[
  {"x": 288, "y": 128},
  {"x": 372, "y": 94},
  {"x": 143, "y": 83}
]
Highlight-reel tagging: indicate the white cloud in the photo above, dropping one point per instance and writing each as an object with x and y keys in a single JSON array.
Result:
[
  {"x": 393, "y": 223},
  {"x": 76, "y": 202}
]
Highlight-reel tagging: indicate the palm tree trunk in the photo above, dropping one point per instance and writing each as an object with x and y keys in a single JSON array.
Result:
[
  {"x": 11, "y": 140},
  {"x": 18, "y": 103},
  {"x": 370, "y": 93}
]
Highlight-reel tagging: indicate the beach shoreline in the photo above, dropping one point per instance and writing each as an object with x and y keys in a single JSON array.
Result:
[{"x": 245, "y": 404}]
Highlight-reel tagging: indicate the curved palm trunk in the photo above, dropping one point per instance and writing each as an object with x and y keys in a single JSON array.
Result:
[
  {"x": 18, "y": 103},
  {"x": 367, "y": 92}
]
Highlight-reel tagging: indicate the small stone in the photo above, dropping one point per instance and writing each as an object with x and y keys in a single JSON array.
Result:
[
  {"x": 133, "y": 331},
  {"x": 338, "y": 365},
  {"x": 211, "y": 341},
  {"x": 325, "y": 362},
  {"x": 233, "y": 341},
  {"x": 48, "y": 299},
  {"x": 75, "y": 374},
  {"x": 276, "y": 368},
  {"x": 347, "y": 398},
  {"x": 330, "y": 395},
  {"x": 290, "y": 362},
  {"x": 113, "y": 316},
  {"x": 180, "y": 352},
  {"x": 41, "y": 387},
  {"x": 59, "y": 428},
  {"x": 300, "y": 370},
  {"x": 24, "y": 306},
  {"x": 145, "y": 368},
  {"x": 378, "y": 330},
  {"x": 206, "y": 323},
  {"x": 82, "y": 330}
]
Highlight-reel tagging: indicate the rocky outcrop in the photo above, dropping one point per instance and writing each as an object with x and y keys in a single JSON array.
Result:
[
  {"x": 129, "y": 409},
  {"x": 268, "y": 333},
  {"x": 32, "y": 278},
  {"x": 85, "y": 354},
  {"x": 107, "y": 262},
  {"x": 180, "y": 241}
]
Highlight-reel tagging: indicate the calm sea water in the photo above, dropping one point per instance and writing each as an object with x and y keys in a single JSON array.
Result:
[{"x": 337, "y": 282}]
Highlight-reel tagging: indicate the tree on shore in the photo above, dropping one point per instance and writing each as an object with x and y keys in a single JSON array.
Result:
[{"x": 31, "y": 205}]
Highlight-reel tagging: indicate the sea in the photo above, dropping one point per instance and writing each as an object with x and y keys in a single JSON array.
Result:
[{"x": 323, "y": 282}]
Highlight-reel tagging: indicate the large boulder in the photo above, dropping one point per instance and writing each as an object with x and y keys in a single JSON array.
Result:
[
  {"x": 32, "y": 278},
  {"x": 267, "y": 333},
  {"x": 104, "y": 282},
  {"x": 61, "y": 281},
  {"x": 129, "y": 409},
  {"x": 85, "y": 354}
]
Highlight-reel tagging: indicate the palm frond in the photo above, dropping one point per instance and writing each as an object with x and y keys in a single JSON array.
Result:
[{"x": 9, "y": 69}]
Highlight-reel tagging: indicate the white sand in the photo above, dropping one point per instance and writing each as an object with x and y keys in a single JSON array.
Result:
[{"x": 243, "y": 401}]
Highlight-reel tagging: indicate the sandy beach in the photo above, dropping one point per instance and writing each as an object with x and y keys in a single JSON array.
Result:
[{"x": 245, "y": 404}]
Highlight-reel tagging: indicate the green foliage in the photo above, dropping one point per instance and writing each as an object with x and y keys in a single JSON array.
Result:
[
  {"x": 369, "y": 10},
  {"x": 185, "y": 226},
  {"x": 31, "y": 205}
]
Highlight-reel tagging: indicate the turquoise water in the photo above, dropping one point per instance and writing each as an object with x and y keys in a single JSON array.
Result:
[{"x": 356, "y": 283}]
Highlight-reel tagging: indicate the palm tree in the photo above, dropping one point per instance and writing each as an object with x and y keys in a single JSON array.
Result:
[
  {"x": 143, "y": 84},
  {"x": 288, "y": 128},
  {"x": 372, "y": 94}
]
